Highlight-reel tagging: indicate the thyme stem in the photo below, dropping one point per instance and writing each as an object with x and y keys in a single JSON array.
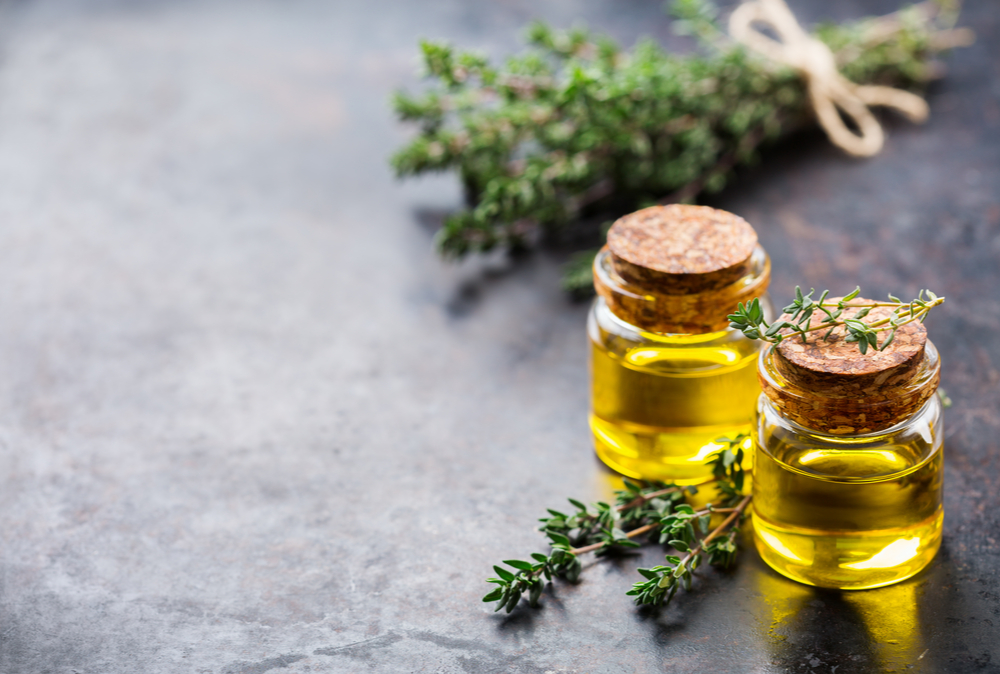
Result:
[
  {"x": 631, "y": 534},
  {"x": 649, "y": 527},
  {"x": 735, "y": 513}
]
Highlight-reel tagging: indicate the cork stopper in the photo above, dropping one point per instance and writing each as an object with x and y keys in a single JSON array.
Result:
[
  {"x": 680, "y": 269},
  {"x": 681, "y": 249},
  {"x": 829, "y": 385}
]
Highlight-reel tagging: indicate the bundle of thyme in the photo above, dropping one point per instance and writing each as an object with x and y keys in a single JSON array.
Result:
[{"x": 578, "y": 126}]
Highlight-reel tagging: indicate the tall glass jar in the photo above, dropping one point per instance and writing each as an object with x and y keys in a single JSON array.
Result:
[
  {"x": 848, "y": 469},
  {"x": 668, "y": 375}
]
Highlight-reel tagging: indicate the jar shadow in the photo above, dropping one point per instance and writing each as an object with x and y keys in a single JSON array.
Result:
[{"x": 816, "y": 629}]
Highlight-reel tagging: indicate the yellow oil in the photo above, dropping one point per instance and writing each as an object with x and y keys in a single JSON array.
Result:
[
  {"x": 660, "y": 401},
  {"x": 861, "y": 513}
]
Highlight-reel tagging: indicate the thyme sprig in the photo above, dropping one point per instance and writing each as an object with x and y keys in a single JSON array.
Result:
[
  {"x": 685, "y": 525},
  {"x": 662, "y": 582},
  {"x": 579, "y": 126},
  {"x": 658, "y": 510},
  {"x": 751, "y": 321}
]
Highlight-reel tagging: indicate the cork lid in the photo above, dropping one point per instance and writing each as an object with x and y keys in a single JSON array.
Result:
[
  {"x": 681, "y": 249},
  {"x": 827, "y": 384},
  {"x": 837, "y": 367}
]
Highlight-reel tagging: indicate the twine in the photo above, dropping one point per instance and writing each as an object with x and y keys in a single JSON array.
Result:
[{"x": 828, "y": 89}]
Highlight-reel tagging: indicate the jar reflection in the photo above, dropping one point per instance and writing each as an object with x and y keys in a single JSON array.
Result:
[
  {"x": 891, "y": 617},
  {"x": 815, "y": 629}
]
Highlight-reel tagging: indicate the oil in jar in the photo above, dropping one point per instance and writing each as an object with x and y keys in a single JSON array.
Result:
[
  {"x": 659, "y": 402},
  {"x": 668, "y": 375},
  {"x": 854, "y": 514}
]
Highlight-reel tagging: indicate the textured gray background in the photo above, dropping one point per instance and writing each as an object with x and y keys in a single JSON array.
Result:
[{"x": 250, "y": 423}]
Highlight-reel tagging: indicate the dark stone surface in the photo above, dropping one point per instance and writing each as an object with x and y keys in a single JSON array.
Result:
[{"x": 249, "y": 422}]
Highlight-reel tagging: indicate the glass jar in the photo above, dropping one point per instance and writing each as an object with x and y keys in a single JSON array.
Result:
[
  {"x": 668, "y": 376},
  {"x": 848, "y": 471}
]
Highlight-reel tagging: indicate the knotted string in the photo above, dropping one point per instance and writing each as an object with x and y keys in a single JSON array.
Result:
[{"x": 828, "y": 89}]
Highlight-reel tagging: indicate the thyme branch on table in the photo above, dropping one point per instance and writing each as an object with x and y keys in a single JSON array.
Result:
[
  {"x": 657, "y": 510},
  {"x": 579, "y": 128},
  {"x": 751, "y": 321},
  {"x": 662, "y": 581}
]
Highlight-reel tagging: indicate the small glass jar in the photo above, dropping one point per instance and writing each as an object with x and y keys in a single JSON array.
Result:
[
  {"x": 848, "y": 471},
  {"x": 668, "y": 375}
]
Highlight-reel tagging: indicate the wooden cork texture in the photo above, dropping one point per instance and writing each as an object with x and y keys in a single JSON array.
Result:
[
  {"x": 847, "y": 392},
  {"x": 696, "y": 313},
  {"x": 838, "y": 368},
  {"x": 681, "y": 249}
]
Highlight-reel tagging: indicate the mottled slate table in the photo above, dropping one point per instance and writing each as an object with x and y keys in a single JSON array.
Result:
[{"x": 250, "y": 423}]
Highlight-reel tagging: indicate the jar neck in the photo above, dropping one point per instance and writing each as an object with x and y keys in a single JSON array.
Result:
[
  {"x": 770, "y": 415},
  {"x": 857, "y": 412},
  {"x": 698, "y": 313},
  {"x": 603, "y": 319}
]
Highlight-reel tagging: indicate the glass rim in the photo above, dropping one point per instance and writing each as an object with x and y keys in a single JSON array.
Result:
[
  {"x": 831, "y": 437},
  {"x": 839, "y": 442}
]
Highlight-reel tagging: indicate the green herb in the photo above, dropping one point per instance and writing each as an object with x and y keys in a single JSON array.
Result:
[
  {"x": 656, "y": 510},
  {"x": 682, "y": 528},
  {"x": 579, "y": 126},
  {"x": 662, "y": 582},
  {"x": 750, "y": 318}
]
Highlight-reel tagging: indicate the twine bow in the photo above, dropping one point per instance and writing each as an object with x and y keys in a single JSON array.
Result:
[{"x": 828, "y": 89}]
